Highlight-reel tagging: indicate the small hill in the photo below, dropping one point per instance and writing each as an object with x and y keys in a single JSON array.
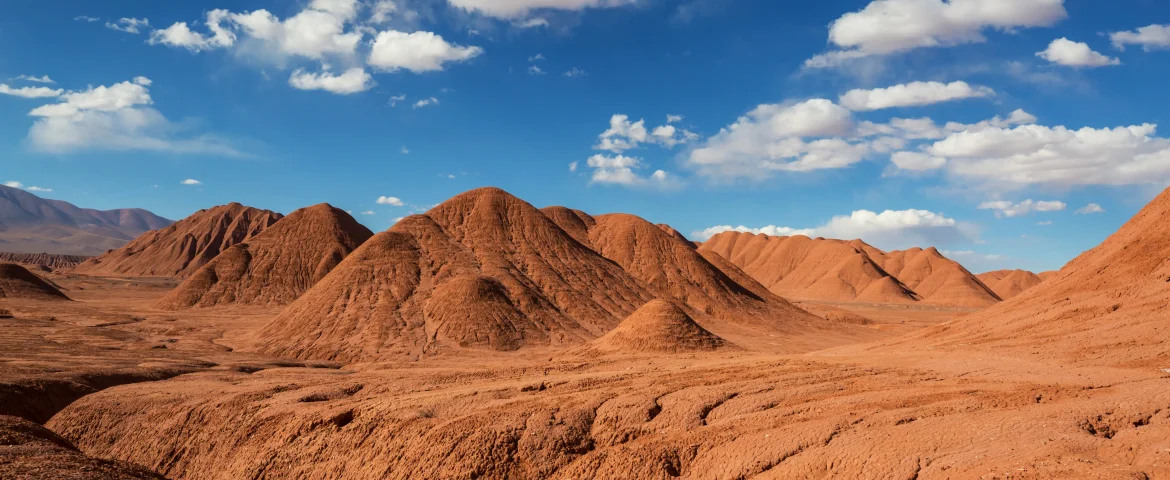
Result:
[
  {"x": 938, "y": 280},
  {"x": 658, "y": 327},
  {"x": 276, "y": 266},
  {"x": 31, "y": 224},
  {"x": 182, "y": 248},
  {"x": 417, "y": 288},
  {"x": 486, "y": 270},
  {"x": 50, "y": 261},
  {"x": 19, "y": 283},
  {"x": 1009, "y": 283},
  {"x": 802, "y": 268},
  {"x": 1106, "y": 307}
]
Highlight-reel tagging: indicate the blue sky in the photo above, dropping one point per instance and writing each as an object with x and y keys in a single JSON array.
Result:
[{"x": 969, "y": 121}]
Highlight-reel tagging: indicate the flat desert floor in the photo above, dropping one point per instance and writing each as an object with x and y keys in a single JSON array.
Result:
[{"x": 127, "y": 391}]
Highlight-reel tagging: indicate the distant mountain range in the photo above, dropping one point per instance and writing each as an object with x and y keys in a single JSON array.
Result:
[{"x": 31, "y": 224}]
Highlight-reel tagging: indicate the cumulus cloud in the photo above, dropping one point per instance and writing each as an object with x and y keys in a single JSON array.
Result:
[
  {"x": 514, "y": 9},
  {"x": 115, "y": 117},
  {"x": 129, "y": 25},
  {"x": 1004, "y": 208},
  {"x": 536, "y": 58},
  {"x": 575, "y": 72},
  {"x": 806, "y": 136},
  {"x": 535, "y": 70},
  {"x": 624, "y": 134},
  {"x": 1036, "y": 154},
  {"x": 40, "y": 79},
  {"x": 890, "y": 229},
  {"x": 369, "y": 212},
  {"x": 325, "y": 31},
  {"x": 30, "y": 92},
  {"x": 190, "y": 181},
  {"x": 673, "y": 118},
  {"x": 572, "y": 166},
  {"x": 911, "y": 95},
  {"x": 353, "y": 80},
  {"x": 620, "y": 170},
  {"x": 891, "y": 26},
  {"x": 426, "y": 102},
  {"x": 417, "y": 51},
  {"x": 1090, "y": 209},
  {"x": 13, "y": 184},
  {"x": 392, "y": 201},
  {"x": 531, "y": 23},
  {"x": 1063, "y": 51},
  {"x": 84, "y": 18},
  {"x": 1150, "y": 37}
]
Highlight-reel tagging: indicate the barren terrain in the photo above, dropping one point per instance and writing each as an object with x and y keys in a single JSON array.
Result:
[{"x": 691, "y": 368}]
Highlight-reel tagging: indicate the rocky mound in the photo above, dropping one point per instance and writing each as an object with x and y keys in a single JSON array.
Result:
[
  {"x": 17, "y": 282},
  {"x": 182, "y": 248},
  {"x": 1107, "y": 306},
  {"x": 658, "y": 327},
  {"x": 30, "y": 451},
  {"x": 1009, "y": 283},
  {"x": 938, "y": 280},
  {"x": 399, "y": 293},
  {"x": 486, "y": 270},
  {"x": 821, "y": 269},
  {"x": 276, "y": 266},
  {"x": 799, "y": 267},
  {"x": 47, "y": 260}
]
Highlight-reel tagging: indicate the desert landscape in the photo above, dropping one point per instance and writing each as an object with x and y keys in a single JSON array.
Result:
[
  {"x": 585, "y": 239},
  {"x": 489, "y": 338}
]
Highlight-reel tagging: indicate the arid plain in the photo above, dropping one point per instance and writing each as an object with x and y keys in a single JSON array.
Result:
[{"x": 488, "y": 338}]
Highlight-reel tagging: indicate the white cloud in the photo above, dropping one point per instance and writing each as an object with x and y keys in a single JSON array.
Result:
[
  {"x": 397, "y": 98},
  {"x": 30, "y": 92},
  {"x": 624, "y": 134},
  {"x": 180, "y": 35},
  {"x": 1034, "y": 154},
  {"x": 190, "y": 181},
  {"x": 513, "y": 9},
  {"x": 83, "y": 18},
  {"x": 916, "y": 161},
  {"x": 531, "y": 23},
  {"x": 353, "y": 80},
  {"x": 33, "y": 188},
  {"x": 967, "y": 255},
  {"x": 392, "y": 201},
  {"x": 129, "y": 25},
  {"x": 891, "y": 228},
  {"x": 369, "y": 212},
  {"x": 418, "y": 52},
  {"x": 673, "y": 118},
  {"x": 425, "y": 102},
  {"x": 1150, "y": 37},
  {"x": 911, "y": 95},
  {"x": 382, "y": 11},
  {"x": 535, "y": 70},
  {"x": 890, "y": 26},
  {"x": 619, "y": 170},
  {"x": 116, "y": 117},
  {"x": 1063, "y": 51},
  {"x": 405, "y": 151},
  {"x": 575, "y": 72},
  {"x": 1090, "y": 208},
  {"x": 572, "y": 166},
  {"x": 40, "y": 79},
  {"x": 1004, "y": 208},
  {"x": 537, "y": 57},
  {"x": 781, "y": 137}
]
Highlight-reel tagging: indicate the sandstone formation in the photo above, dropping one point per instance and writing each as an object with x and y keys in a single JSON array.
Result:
[
  {"x": 183, "y": 247},
  {"x": 276, "y": 266}
]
